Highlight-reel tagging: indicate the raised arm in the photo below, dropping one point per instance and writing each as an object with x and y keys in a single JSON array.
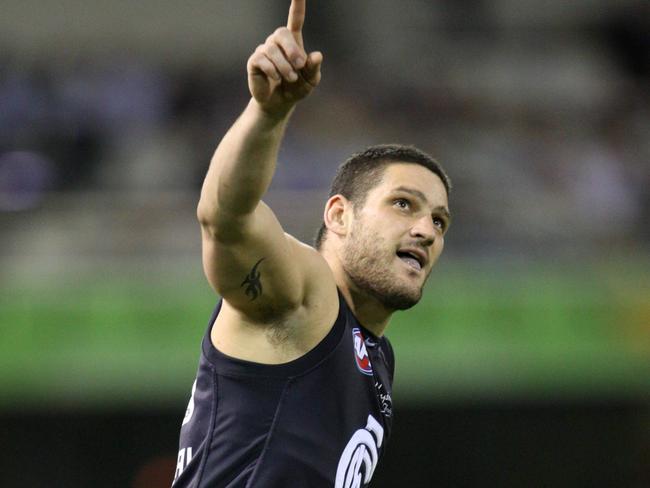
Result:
[{"x": 247, "y": 257}]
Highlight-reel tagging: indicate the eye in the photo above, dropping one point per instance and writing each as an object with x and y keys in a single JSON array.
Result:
[
  {"x": 402, "y": 204},
  {"x": 439, "y": 223}
]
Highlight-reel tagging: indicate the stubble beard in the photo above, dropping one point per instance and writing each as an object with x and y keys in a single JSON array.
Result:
[{"x": 369, "y": 263}]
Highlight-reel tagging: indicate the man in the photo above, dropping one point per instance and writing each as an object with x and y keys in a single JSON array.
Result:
[{"x": 294, "y": 380}]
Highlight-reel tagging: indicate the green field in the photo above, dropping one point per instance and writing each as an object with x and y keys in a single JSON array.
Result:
[{"x": 128, "y": 335}]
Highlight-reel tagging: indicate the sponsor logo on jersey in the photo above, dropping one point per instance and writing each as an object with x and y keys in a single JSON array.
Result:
[
  {"x": 385, "y": 400},
  {"x": 361, "y": 353},
  {"x": 360, "y": 456}
]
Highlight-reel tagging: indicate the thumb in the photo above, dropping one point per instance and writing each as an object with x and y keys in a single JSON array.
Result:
[{"x": 311, "y": 71}]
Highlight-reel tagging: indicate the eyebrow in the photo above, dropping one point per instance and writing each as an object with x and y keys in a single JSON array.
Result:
[{"x": 417, "y": 193}]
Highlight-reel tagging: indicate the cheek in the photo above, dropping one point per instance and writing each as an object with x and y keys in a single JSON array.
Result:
[
  {"x": 376, "y": 234},
  {"x": 373, "y": 244},
  {"x": 439, "y": 245}
]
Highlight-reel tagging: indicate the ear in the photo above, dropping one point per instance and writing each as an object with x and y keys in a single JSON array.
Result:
[{"x": 338, "y": 210}]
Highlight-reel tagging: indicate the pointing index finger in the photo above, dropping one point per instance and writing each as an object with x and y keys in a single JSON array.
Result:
[{"x": 296, "y": 17}]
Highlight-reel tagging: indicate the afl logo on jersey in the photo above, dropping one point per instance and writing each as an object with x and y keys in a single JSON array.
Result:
[{"x": 361, "y": 353}]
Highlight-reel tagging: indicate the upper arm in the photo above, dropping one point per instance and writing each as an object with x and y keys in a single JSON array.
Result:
[{"x": 255, "y": 266}]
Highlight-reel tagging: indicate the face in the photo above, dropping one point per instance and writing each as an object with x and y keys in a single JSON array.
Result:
[{"x": 397, "y": 236}]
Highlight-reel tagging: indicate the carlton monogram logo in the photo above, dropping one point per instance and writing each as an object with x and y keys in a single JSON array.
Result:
[
  {"x": 361, "y": 353},
  {"x": 360, "y": 456}
]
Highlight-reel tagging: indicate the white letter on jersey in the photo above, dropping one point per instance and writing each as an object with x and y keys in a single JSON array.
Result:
[
  {"x": 190, "y": 406},
  {"x": 360, "y": 456},
  {"x": 184, "y": 458}
]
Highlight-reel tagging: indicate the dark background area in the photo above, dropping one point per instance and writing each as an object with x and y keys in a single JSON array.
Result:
[{"x": 538, "y": 445}]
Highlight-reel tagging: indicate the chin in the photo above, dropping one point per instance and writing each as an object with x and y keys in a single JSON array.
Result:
[{"x": 401, "y": 299}]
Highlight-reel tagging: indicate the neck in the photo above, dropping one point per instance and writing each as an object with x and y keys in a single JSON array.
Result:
[{"x": 369, "y": 311}]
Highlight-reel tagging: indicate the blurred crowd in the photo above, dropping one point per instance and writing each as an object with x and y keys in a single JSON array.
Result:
[{"x": 543, "y": 125}]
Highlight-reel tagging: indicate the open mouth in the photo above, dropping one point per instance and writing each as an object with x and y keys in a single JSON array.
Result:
[{"x": 411, "y": 259}]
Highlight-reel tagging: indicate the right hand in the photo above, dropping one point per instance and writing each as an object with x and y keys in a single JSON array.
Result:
[{"x": 280, "y": 73}]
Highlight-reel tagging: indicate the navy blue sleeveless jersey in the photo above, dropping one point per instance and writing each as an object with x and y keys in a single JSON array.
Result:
[{"x": 322, "y": 420}]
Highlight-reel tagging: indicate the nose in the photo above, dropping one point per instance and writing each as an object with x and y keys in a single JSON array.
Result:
[{"x": 424, "y": 230}]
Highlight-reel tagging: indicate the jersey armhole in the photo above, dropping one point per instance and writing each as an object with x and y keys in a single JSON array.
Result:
[{"x": 225, "y": 364}]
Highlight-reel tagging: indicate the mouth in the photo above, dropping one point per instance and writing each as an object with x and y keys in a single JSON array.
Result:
[{"x": 413, "y": 258}]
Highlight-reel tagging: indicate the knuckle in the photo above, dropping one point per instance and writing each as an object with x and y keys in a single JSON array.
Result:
[
  {"x": 253, "y": 60},
  {"x": 269, "y": 49}
]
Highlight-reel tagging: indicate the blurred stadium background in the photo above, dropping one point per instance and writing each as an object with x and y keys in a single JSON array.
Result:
[{"x": 528, "y": 362}]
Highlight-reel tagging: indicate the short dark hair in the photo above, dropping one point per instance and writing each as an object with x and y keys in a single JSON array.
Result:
[{"x": 362, "y": 171}]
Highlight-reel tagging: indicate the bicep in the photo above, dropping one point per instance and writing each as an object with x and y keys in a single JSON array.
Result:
[{"x": 254, "y": 265}]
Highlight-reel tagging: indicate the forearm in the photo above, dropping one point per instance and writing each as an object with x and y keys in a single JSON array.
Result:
[
  {"x": 280, "y": 73},
  {"x": 242, "y": 166}
]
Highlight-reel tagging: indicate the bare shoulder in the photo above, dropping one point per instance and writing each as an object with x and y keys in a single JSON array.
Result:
[{"x": 289, "y": 336}]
